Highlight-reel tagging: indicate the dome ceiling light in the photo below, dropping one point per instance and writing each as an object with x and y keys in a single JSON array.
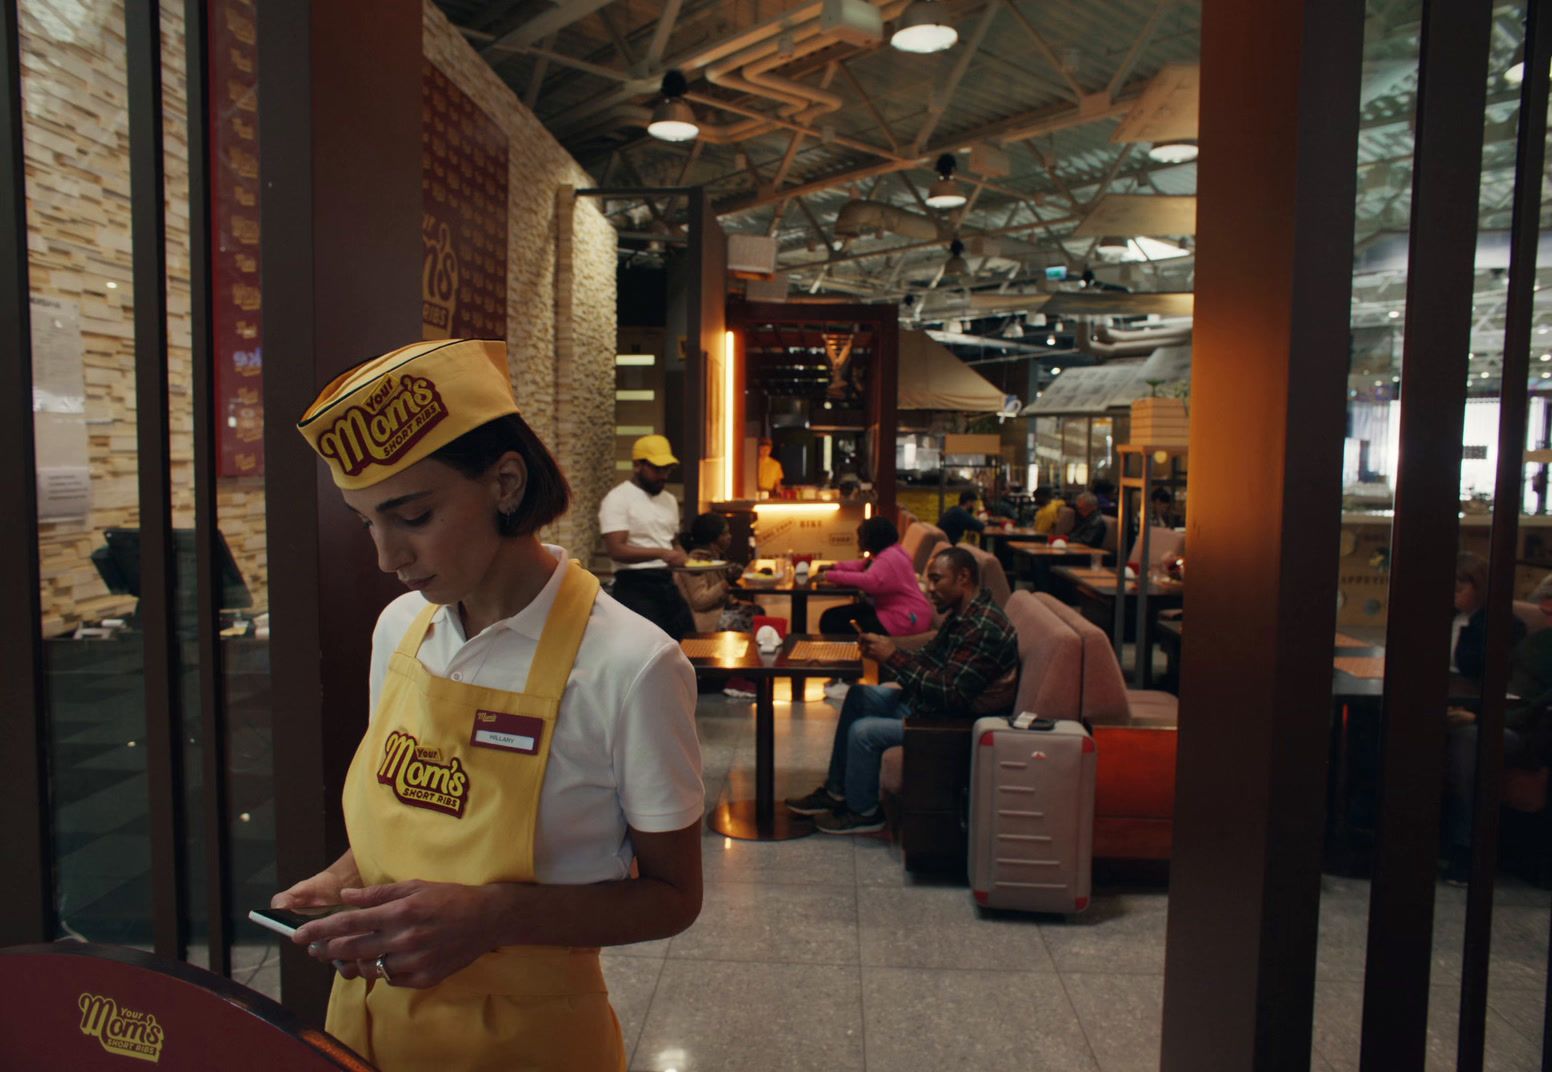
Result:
[
  {"x": 674, "y": 119},
  {"x": 924, "y": 28},
  {"x": 1173, "y": 152},
  {"x": 945, "y": 193}
]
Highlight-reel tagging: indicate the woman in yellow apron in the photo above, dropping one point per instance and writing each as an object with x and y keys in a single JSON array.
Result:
[{"x": 528, "y": 788}]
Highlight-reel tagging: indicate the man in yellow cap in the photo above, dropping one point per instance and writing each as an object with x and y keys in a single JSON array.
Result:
[{"x": 639, "y": 521}]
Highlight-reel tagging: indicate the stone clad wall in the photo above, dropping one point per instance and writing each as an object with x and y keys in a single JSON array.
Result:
[
  {"x": 76, "y": 129},
  {"x": 564, "y": 379},
  {"x": 78, "y": 203}
]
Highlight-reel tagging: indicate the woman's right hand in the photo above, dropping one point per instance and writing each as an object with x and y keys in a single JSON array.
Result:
[{"x": 321, "y": 890}]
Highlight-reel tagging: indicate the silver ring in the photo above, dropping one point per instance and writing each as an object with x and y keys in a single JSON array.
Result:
[{"x": 382, "y": 970}]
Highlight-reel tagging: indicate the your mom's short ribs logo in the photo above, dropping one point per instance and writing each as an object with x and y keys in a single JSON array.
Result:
[
  {"x": 382, "y": 426},
  {"x": 120, "y": 1031},
  {"x": 419, "y": 777}
]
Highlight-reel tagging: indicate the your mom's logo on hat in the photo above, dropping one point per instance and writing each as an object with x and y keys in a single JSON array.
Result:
[{"x": 384, "y": 426}]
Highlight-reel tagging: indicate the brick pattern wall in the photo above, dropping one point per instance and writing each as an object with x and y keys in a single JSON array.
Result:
[
  {"x": 563, "y": 373},
  {"x": 78, "y": 198},
  {"x": 77, "y": 145}
]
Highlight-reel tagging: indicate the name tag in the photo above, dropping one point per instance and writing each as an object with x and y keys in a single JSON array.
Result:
[{"x": 507, "y": 732}]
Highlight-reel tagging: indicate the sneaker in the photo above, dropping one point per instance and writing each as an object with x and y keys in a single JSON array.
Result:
[
  {"x": 1457, "y": 869},
  {"x": 819, "y": 802},
  {"x": 837, "y": 690},
  {"x": 739, "y": 689},
  {"x": 846, "y": 821}
]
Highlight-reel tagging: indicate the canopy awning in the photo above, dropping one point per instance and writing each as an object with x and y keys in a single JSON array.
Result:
[
  {"x": 931, "y": 377},
  {"x": 1097, "y": 388}
]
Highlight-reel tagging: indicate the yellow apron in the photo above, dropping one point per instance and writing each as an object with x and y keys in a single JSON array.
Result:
[{"x": 445, "y": 787}]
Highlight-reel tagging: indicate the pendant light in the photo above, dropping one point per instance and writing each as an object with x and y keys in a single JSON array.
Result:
[
  {"x": 674, "y": 119},
  {"x": 956, "y": 268},
  {"x": 945, "y": 193},
  {"x": 1173, "y": 152},
  {"x": 924, "y": 28}
]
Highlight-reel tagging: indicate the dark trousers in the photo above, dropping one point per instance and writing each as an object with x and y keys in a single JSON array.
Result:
[
  {"x": 839, "y": 619},
  {"x": 653, "y": 594}
]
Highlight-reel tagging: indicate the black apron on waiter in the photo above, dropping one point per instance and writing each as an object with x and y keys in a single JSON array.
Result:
[{"x": 653, "y": 594}]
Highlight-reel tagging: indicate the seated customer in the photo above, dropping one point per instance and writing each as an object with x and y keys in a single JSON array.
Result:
[
  {"x": 1527, "y": 716},
  {"x": 958, "y": 520},
  {"x": 1090, "y": 529},
  {"x": 974, "y": 647},
  {"x": 1048, "y": 507},
  {"x": 887, "y": 577},
  {"x": 709, "y": 591}
]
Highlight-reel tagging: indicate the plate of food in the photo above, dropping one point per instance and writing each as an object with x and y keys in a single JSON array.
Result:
[
  {"x": 706, "y": 564},
  {"x": 760, "y": 578}
]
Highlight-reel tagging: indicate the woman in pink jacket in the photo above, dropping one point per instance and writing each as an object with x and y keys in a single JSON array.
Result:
[{"x": 895, "y": 605}]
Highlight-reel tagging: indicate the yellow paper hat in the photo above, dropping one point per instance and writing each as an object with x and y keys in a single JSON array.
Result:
[{"x": 386, "y": 414}]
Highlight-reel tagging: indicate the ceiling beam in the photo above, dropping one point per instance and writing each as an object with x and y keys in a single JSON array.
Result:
[
  {"x": 665, "y": 27},
  {"x": 1075, "y": 91},
  {"x": 542, "y": 26},
  {"x": 1124, "y": 71},
  {"x": 536, "y": 80},
  {"x": 867, "y": 102},
  {"x": 941, "y": 98}
]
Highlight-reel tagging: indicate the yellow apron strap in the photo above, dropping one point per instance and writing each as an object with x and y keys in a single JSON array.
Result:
[
  {"x": 410, "y": 644},
  {"x": 562, "y": 634}
]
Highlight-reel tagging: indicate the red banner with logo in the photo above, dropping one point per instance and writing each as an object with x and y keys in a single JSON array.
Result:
[
  {"x": 464, "y": 222},
  {"x": 237, "y": 307}
]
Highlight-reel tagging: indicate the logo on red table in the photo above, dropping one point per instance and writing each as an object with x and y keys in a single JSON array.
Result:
[{"x": 121, "y": 1031}]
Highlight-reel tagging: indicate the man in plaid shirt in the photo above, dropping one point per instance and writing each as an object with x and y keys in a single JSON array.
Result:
[{"x": 975, "y": 647}]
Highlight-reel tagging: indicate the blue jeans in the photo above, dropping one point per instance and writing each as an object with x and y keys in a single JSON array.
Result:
[
  {"x": 872, "y": 720},
  {"x": 1460, "y": 779}
]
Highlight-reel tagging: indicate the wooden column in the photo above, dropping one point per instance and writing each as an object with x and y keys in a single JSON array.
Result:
[
  {"x": 1275, "y": 226},
  {"x": 339, "y": 135}
]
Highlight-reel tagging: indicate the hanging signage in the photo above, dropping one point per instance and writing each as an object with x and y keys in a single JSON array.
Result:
[
  {"x": 463, "y": 185},
  {"x": 235, "y": 297}
]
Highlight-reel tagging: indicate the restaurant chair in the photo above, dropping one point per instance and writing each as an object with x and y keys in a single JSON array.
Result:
[
  {"x": 911, "y": 538},
  {"x": 1134, "y": 734},
  {"x": 1162, "y": 544},
  {"x": 927, "y": 546},
  {"x": 925, "y": 780}
]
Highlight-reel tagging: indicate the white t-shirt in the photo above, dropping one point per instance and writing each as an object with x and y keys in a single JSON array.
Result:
[
  {"x": 624, "y": 750},
  {"x": 650, "y": 521}
]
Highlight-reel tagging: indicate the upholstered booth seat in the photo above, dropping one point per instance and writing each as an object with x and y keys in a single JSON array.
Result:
[{"x": 1134, "y": 733}]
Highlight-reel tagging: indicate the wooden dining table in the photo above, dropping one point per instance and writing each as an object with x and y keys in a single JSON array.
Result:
[{"x": 800, "y": 657}]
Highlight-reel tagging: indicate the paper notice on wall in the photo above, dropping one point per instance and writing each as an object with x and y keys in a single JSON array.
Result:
[
  {"x": 58, "y": 372},
  {"x": 59, "y": 412},
  {"x": 64, "y": 493}
]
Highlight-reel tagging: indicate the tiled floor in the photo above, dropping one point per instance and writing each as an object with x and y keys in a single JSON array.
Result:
[{"x": 822, "y": 953}]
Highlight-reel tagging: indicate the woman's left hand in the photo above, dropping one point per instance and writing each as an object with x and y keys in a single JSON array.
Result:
[{"x": 424, "y": 931}]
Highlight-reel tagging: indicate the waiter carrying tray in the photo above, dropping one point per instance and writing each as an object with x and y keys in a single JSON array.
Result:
[
  {"x": 528, "y": 788},
  {"x": 639, "y": 521}
]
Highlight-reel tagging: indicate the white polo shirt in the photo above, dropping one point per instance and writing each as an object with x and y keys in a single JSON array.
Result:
[
  {"x": 624, "y": 749},
  {"x": 649, "y": 521}
]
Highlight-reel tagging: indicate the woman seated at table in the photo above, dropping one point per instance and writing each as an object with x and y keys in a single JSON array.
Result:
[
  {"x": 1527, "y": 714},
  {"x": 709, "y": 592},
  {"x": 895, "y": 605}
]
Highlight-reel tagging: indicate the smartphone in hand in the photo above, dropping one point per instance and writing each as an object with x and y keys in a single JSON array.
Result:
[{"x": 285, "y": 922}]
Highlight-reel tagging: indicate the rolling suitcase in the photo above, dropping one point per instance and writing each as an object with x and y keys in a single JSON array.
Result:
[{"x": 1031, "y": 814}]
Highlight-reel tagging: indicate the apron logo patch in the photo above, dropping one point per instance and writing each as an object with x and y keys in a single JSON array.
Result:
[
  {"x": 419, "y": 778},
  {"x": 120, "y": 1031}
]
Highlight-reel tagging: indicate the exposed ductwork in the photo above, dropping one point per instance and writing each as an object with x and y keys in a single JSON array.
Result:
[
  {"x": 1121, "y": 342},
  {"x": 858, "y": 218}
]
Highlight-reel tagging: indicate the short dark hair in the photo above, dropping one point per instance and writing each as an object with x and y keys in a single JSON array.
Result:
[
  {"x": 1163, "y": 495},
  {"x": 706, "y": 530},
  {"x": 968, "y": 497},
  {"x": 959, "y": 559},
  {"x": 879, "y": 533},
  {"x": 547, "y": 494},
  {"x": 1471, "y": 568}
]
